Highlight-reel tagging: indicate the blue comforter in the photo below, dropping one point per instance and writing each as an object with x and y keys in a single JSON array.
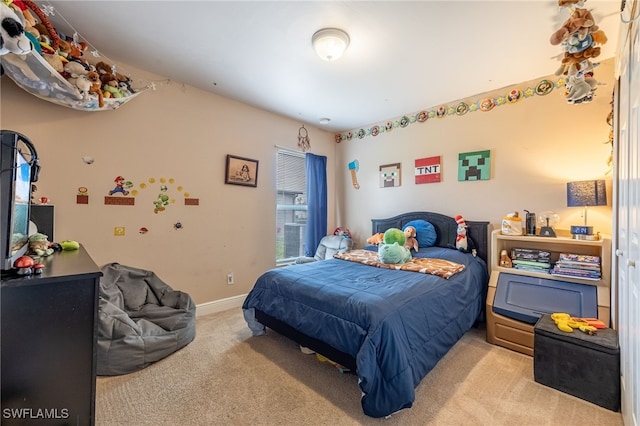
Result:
[{"x": 396, "y": 324}]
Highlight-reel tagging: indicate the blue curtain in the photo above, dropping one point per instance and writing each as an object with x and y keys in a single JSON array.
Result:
[{"x": 316, "y": 202}]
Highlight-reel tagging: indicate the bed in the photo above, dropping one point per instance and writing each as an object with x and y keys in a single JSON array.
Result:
[{"x": 388, "y": 326}]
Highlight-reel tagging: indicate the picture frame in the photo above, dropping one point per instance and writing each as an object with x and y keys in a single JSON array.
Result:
[
  {"x": 428, "y": 170},
  {"x": 241, "y": 171},
  {"x": 474, "y": 166},
  {"x": 389, "y": 175}
]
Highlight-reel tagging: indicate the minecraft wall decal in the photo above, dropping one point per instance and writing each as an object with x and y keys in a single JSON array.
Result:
[
  {"x": 427, "y": 170},
  {"x": 390, "y": 175},
  {"x": 474, "y": 165}
]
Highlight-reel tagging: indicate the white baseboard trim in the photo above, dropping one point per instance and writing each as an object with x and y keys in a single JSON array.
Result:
[{"x": 220, "y": 305}]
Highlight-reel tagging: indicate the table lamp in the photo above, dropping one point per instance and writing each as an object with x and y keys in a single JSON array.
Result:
[{"x": 583, "y": 194}]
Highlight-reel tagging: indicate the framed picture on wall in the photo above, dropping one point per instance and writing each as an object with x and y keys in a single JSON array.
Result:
[
  {"x": 241, "y": 171},
  {"x": 427, "y": 170},
  {"x": 390, "y": 175},
  {"x": 474, "y": 165}
]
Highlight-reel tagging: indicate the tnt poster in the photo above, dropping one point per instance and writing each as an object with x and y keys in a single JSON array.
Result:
[
  {"x": 474, "y": 165},
  {"x": 428, "y": 170}
]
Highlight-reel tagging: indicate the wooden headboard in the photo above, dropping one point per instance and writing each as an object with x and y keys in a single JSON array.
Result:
[{"x": 446, "y": 229}]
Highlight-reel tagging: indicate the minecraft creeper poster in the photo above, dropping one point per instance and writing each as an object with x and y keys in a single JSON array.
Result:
[{"x": 474, "y": 165}]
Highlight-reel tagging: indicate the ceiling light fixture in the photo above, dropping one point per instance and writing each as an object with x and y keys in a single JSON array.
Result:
[{"x": 330, "y": 43}]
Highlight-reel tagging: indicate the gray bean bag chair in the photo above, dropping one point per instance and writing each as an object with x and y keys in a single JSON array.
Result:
[{"x": 140, "y": 320}]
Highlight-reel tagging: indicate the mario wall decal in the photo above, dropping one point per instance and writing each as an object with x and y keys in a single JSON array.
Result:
[{"x": 122, "y": 186}]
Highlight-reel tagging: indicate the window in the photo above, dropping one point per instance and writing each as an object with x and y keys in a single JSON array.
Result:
[{"x": 291, "y": 209}]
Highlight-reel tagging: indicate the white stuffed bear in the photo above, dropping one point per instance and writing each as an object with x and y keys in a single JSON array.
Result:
[{"x": 12, "y": 36}]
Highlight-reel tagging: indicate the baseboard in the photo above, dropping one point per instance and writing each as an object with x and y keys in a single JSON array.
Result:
[{"x": 220, "y": 305}]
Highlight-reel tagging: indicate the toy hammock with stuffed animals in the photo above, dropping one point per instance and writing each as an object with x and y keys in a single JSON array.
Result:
[{"x": 55, "y": 69}]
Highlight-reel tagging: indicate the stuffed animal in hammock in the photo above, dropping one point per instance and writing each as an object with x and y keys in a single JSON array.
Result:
[{"x": 12, "y": 36}]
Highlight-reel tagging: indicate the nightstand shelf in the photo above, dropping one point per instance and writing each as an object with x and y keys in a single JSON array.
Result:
[{"x": 517, "y": 335}]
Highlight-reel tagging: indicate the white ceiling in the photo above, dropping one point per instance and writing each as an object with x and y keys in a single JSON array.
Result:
[{"x": 403, "y": 56}]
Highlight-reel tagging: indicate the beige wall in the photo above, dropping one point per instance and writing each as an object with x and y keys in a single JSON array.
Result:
[
  {"x": 175, "y": 132},
  {"x": 179, "y": 132},
  {"x": 537, "y": 145}
]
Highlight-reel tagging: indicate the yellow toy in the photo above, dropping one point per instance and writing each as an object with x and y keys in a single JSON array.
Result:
[
  {"x": 341, "y": 369},
  {"x": 567, "y": 323}
]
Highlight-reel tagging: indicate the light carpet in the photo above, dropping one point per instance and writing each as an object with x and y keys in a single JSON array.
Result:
[{"x": 227, "y": 377}]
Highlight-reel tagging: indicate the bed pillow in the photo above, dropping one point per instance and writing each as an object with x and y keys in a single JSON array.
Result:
[{"x": 425, "y": 232}]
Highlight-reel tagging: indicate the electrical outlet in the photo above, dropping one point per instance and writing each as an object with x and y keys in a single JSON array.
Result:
[{"x": 230, "y": 278}]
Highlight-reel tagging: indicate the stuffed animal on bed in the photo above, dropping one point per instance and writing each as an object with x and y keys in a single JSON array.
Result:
[
  {"x": 461, "y": 237},
  {"x": 393, "y": 250},
  {"x": 393, "y": 254},
  {"x": 411, "y": 241},
  {"x": 394, "y": 235},
  {"x": 463, "y": 242},
  {"x": 375, "y": 239}
]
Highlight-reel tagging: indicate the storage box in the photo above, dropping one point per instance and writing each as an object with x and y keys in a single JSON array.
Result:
[
  {"x": 526, "y": 298},
  {"x": 507, "y": 332},
  {"x": 584, "y": 366}
]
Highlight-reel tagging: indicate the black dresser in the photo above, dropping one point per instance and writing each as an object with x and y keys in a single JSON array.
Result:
[{"x": 48, "y": 343}]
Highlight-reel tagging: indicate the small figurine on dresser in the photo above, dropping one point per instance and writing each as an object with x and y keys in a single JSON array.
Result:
[{"x": 505, "y": 261}]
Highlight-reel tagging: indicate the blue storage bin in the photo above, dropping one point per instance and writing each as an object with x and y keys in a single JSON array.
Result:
[{"x": 526, "y": 298}]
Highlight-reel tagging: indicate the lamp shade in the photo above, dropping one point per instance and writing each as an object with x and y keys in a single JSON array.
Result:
[
  {"x": 586, "y": 193},
  {"x": 330, "y": 43}
]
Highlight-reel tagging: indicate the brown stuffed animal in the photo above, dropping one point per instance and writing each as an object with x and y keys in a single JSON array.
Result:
[
  {"x": 96, "y": 86},
  {"x": 77, "y": 50},
  {"x": 103, "y": 68},
  {"x": 410, "y": 238},
  {"x": 581, "y": 20},
  {"x": 505, "y": 261}
]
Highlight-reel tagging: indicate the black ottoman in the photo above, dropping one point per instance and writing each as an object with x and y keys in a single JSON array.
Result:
[{"x": 584, "y": 366}]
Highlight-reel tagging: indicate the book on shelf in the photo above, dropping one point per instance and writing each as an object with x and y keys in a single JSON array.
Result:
[
  {"x": 566, "y": 269},
  {"x": 531, "y": 263},
  {"x": 532, "y": 269},
  {"x": 530, "y": 254},
  {"x": 580, "y": 275},
  {"x": 582, "y": 258},
  {"x": 583, "y": 266}
]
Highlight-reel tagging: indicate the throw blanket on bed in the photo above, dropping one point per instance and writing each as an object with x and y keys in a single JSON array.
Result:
[{"x": 440, "y": 267}]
